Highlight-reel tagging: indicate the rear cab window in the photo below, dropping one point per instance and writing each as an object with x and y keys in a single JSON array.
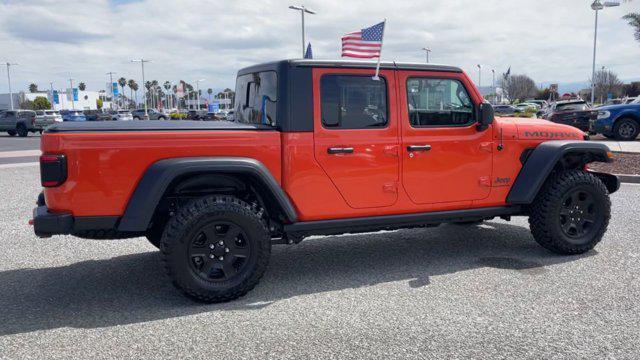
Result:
[
  {"x": 434, "y": 102},
  {"x": 256, "y": 98},
  {"x": 353, "y": 102}
]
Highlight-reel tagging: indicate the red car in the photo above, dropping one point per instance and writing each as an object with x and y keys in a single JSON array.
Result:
[{"x": 319, "y": 147}]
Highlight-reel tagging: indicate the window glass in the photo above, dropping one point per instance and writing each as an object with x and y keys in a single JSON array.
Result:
[
  {"x": 438, "y": 102},
  {"x": 353, "y": 102},
  {"x": 256, "y": 98}
]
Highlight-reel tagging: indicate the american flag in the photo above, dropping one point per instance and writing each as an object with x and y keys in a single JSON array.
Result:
[{"x": 363, "y": 44}]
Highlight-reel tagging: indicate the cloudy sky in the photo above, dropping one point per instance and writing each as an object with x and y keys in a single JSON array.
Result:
[{"x": 550, "y": 40}]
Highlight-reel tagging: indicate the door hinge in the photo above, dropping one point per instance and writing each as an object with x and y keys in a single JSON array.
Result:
[
  {"x": 485, "y": 181},
  {"x": 390, "y": 188}
]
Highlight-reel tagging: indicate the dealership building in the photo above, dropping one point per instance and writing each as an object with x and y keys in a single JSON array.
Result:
[{"x": 67, "y": 99}]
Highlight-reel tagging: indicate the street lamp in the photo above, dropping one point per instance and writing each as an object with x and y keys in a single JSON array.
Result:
[
  {"x": 479, "y": 75},
  {"x": 427, "y": 51},
  {"x": 144, "y": 88},
  {"x": 8, "y": 64},
  {"x": 493, "y": 85},
  {"x": 302, "y": 10},
  {"x": 198, "y": 92},
  {"x": 597, "y": 6},
  {"x": 111, "y": 73},
  {"x": 73, "y": 101}
]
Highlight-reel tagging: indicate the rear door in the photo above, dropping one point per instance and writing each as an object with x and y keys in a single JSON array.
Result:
[
  {"x": 444, "y": 157},
  {"x": 356, "y": 134}
]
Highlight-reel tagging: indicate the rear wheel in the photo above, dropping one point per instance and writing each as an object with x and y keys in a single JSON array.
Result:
[
  {"x": 22, "y": 130},
  {"x": 216, "y": 248},
  {"x": 571, "y": 213},
  {"x": 626, "y": 129},
  {"x": 11, "y": 132}
]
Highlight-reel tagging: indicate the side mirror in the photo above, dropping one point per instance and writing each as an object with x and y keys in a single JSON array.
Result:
[{"x": 485, "y": 116}]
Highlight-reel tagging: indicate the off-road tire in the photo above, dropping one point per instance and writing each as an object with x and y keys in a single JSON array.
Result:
[
  {"x": 187, "y": 225},
  {"x": 626, "y": 129},
  {"x": 11, "y": 132},
  {"x": 545, "y": 212},
  {"x": 22, "y": 130}
]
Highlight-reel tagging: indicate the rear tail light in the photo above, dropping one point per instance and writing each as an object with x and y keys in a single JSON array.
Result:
[{"x": 53, "y": 170}]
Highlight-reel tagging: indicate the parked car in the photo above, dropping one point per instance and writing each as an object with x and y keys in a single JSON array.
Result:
[
  {"x": 528, "y": 106},
  {"x": 505, "y": 110},
  {"x": 621, "y": 122},
  {"x": 213, "y": 117},
  {"x": 542, "y": 104},
  {"x": 45, "y": 118},
  {"x": 196, "y": 114},
  {"x": 19, "y": 122},
  {"x": 215, "y": 196},
  {"x": 96, "y": 115},
  {"x": 576, "y": 113},
  {"x": 73, "y": 115},
  {"x": 230, "y": 116},
  {"x": 152, "y": 113},
  {"x": 121, "y": 115}
]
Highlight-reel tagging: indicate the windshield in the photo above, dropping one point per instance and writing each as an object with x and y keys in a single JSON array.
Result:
[
  {"x": 572, "y": 107},
  {"x": 123, "y": 112},
  {"x": 256, "y": 98}
]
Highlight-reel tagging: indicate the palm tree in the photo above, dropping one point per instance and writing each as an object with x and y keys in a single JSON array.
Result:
[
  {"x": 154, "y": 84},
  {"x": 33, "y": 88},
  {"x": 134, "y": 86},
  {"x": 82, "y": 86},
  {"x": 209, "y": 91},
  {"x": 130, "y": 82},
  {"x": 634, "y": 20},
  {"x": 147, "y": 85},
  {"x": 122, "y": 82},
  {"x": 167, "y": 87}
]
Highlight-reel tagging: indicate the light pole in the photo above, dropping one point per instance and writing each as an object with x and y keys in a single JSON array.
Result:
[
  {"x": 73, "y": 102},
  {"x": 597, "y": 6},
  {"x": 493, "y": 85},
  {"x": 427, "y": 51},
  {"x": 144, "y": 88},
  {"x": 198, "y": 91},
  {"x": 302, "y": 10},
  {"x": 52, "y": 102},
  {"x": 8, "y": 64},
  {"x": 479, "y": 76},
  {"x": 111, "y": 73}
]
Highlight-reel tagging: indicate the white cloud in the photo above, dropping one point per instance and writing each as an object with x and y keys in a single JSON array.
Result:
[{"x": 549, "y": 40}]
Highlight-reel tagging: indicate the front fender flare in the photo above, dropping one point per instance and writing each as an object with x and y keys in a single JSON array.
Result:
[
  {"x": 542, "y": 161},
  {"x": 161, "y": 174}
]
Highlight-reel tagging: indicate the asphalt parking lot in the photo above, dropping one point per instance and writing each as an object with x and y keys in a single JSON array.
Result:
[{"x": 482, "y": 291}]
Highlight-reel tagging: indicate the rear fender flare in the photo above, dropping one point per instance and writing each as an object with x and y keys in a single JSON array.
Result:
[
  {"x": 543, "y": 159},
  {"x": 160, "y": 175}
]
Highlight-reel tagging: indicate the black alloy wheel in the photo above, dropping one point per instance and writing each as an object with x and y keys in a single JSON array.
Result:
[{"x": 219, "y": 251}]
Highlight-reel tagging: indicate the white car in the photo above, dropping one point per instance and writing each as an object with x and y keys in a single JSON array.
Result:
[
  {"x": 45, "y": 118},
  {"x": 121, "y": 115}
]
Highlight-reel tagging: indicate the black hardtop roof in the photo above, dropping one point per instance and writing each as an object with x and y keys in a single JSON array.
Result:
[{"x": 274, "y": 65}]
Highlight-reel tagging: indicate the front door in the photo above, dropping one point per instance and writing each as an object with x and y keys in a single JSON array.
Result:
[
  {"x": 444, "y": 157},
  {"x": 356, "y": 134}
]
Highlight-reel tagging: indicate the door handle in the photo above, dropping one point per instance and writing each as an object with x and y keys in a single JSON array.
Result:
[
  {"x": 339, "y": 150},
  {"x": 418, "y": 147}
]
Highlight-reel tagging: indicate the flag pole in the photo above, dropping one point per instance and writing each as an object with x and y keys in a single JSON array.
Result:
[{"x": 376, "y": 77}]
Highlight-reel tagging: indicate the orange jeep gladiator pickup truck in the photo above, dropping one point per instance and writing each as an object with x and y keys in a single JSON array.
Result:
[{"x": 318, "y": 147}]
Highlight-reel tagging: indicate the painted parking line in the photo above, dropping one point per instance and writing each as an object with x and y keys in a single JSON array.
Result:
[{"x": 21, "y": 153}]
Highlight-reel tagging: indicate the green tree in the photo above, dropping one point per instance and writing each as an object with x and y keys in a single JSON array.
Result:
[
  {"x": 33, "y": 88},
  {"x": 26, "y": 105},
  {"x": 122, "y": 82},
  {"x": 634, "y": 20},
  {"x": 99, "y": 103},
  {"x": 41, "y": 103},
  {"x": 209, "y": 91},
  {"x": 82, "y": 86}
]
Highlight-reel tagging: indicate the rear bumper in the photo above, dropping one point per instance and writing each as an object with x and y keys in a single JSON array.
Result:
[{"x": 46, "y": 224}]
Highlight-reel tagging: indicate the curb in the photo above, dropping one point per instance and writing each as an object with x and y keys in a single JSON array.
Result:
[{"x": 632, "y": 179}]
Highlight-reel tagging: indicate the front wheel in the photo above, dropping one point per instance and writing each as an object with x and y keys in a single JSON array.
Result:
[
  {"x": 571, "y": 213},
  {"x": 216, "y": 248},
  {"x": 22, "y": 130},
  {"x": 626, "y": 129}
]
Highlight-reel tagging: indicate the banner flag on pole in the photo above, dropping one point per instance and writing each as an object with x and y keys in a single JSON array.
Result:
[
  {"x": 309, "y": 53},
  {"x": 365, "y": 44}
]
